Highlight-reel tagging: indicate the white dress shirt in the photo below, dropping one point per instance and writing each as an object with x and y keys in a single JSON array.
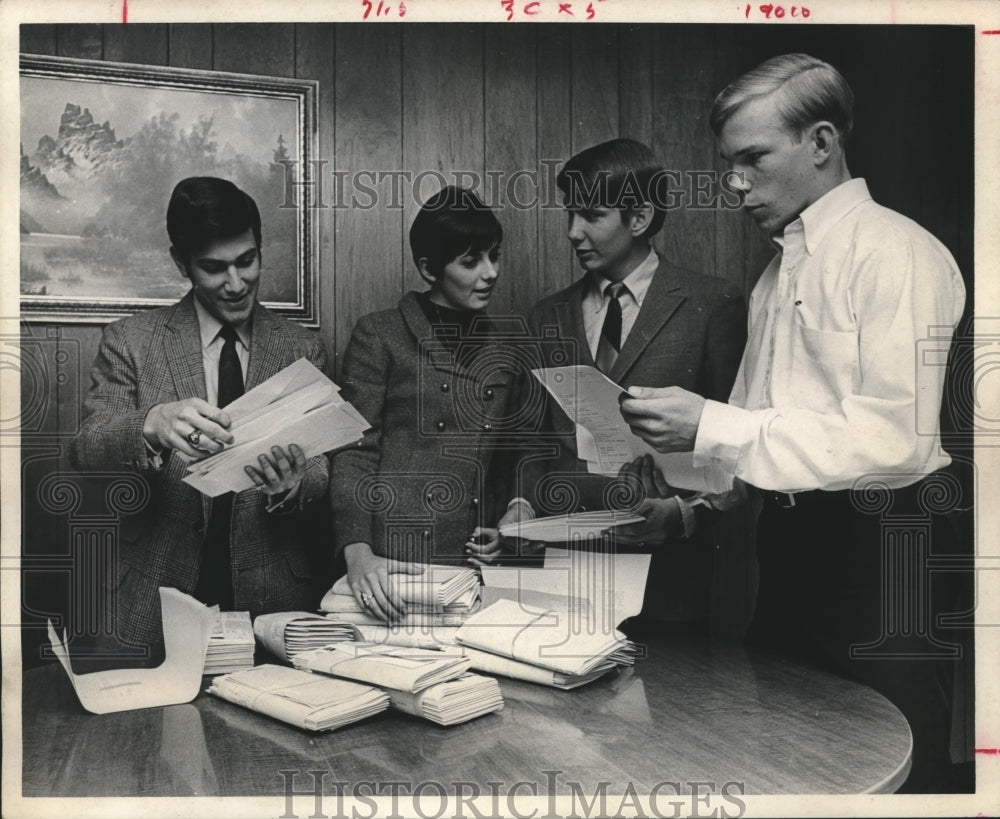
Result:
[
  {"x": 596, "y": 299},
  {"x": 834, "y": 384}
]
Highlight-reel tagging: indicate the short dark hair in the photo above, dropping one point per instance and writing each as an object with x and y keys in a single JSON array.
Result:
[
  {"x": 808, "y": 91},
  {"x": 452, "y": 222},
  {"x": 622, "y": 174},
  {"x": 205, "y": 208}
]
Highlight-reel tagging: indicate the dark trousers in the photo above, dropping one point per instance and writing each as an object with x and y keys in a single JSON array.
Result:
[{"x": 846, "y": 583}]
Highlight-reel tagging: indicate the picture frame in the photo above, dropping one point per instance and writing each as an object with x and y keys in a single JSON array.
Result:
[{"x": 103, "y": 144}]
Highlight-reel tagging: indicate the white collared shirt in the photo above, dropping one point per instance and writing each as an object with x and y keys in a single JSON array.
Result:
[
  {"x": 211, "y": 348},
  {"x": 835, "y": 383},
  {"x": 596, "y": 299}
]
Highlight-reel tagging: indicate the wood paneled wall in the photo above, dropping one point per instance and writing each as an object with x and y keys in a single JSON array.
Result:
[{"x": 503, "y": 98}]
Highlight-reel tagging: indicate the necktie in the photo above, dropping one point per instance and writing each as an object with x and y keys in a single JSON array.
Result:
[
  {"x": 230, "y": 371},
  {"x": 610, "y": 342},
  {"x": 215, "y": 580}
]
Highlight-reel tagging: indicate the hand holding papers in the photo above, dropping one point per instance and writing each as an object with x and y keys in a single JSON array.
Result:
[
  {"x": 298, "y": 405},
  {"x": 604, "y": 440},
  {"x": 187, "y": 626},
  {"x": 299, "y": 698}
]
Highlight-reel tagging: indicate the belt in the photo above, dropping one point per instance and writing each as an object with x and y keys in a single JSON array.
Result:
[
  {"x": 904, "y": 496},
  {"x": 782, "y": 500}
]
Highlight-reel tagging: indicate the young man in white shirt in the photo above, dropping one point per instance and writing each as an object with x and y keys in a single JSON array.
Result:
[{"x": 830, "y": 395}]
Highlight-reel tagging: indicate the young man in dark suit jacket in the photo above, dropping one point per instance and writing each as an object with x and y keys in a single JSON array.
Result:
[
  {"x": 157, "y": 388},
  {"x": 639, "y": 319}
]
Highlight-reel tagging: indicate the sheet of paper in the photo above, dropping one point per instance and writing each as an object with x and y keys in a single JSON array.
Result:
[
  {"x": 187, "y": 627},
  {"x": 296, "y": 405},
  {"x": 569, "y": 528},
  {"x": 320, "y": 430},
  {"x": 605, "y": 442},
  {"x": 608, "y": 579},
  {"x": 536, "y": 587}
]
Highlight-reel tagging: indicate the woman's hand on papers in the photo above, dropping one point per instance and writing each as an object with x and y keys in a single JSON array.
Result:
[
  {"x": 654, "y": 485},
  {"x": 483, "y": 547},
  {"x": 663, "y": 520},
  {"x": 368, "y": 575},
  {"x": 192, "y": 426},
  {"x": 666, "y": 418},
  {"x": 279, "y": 472}
]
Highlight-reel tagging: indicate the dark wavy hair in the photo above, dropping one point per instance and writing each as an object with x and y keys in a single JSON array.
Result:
[{"x": 203, "y": 209}]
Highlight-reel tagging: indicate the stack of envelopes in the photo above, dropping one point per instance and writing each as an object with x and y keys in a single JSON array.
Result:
[
  {"x": 287, "y": 633},
  {"x": 309, "y": 701},
  {"x": 432, "y": 684},
  {"x": 451, "y": 702},
  {"x": 298, "y": 405},
  {"x": 396, "y": 667},
  {"x": 231, "y": 646},
  {"x": 442, "y": 595},
  {"x": 549, "y": 646}
]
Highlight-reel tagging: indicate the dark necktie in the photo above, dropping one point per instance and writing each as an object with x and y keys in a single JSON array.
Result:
[
  {"x": 215, "y": 580},
  {"x": 610, "y": 342},
  {"x": 230, "y": 371}
]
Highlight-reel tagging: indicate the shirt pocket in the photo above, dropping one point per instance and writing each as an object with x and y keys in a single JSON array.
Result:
[{"x": 825, "y": 367}]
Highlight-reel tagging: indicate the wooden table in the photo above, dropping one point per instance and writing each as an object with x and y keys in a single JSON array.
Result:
[{"x": 690, "y": 712}]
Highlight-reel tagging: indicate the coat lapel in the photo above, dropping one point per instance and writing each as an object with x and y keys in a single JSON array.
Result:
[
  {"x": 265, "y": 353},
  {"x": 182, "y": 350},
  {"x": 569, "y": 315},
  {"x": 664, "y": 296}
]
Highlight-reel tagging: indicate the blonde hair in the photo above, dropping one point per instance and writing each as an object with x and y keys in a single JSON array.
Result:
[{"x": 807, "y": 90}]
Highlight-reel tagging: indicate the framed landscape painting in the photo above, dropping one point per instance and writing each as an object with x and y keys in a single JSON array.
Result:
[{"x": 102, "y": 146}]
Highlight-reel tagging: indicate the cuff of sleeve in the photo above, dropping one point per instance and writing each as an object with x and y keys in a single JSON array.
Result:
[
  {"x": 154, "y": 456},
  {"x": 689, "y": 521},
  {"x": 528, "y": 508},
  {"x": 723, "y": 432},
  {"x": 286, "y": 501}
]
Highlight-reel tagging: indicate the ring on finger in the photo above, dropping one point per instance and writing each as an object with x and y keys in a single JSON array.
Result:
[
  {"x": 194, "y": 437},
  {"x": 366, "y": 599}
]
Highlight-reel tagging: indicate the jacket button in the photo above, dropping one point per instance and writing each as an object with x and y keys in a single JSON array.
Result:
[
  {"x": 445, "y": 388},
  {"x": 440, "y": 426}
]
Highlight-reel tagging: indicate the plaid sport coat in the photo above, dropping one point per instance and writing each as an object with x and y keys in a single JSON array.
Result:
[{"x": 152, "y": 358}]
